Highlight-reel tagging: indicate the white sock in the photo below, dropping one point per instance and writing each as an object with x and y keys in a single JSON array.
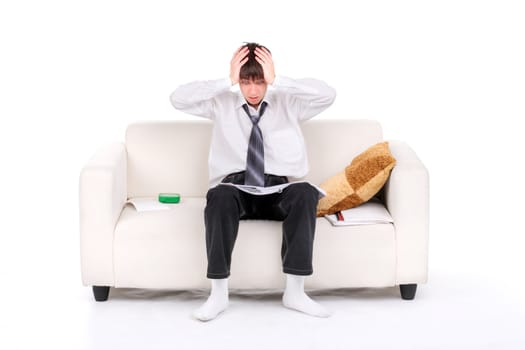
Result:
[
  {"x": 295, "y": 298},
  {"x": 217, "y": 301}
]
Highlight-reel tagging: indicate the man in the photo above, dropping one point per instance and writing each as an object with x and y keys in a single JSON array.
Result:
[{"x": 257, "y": 141}]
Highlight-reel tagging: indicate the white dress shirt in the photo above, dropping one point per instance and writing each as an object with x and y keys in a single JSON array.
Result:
[{"x": 290, "y": 101}]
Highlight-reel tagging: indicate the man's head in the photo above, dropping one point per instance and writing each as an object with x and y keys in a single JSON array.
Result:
[{"x": 251, "y": 77}]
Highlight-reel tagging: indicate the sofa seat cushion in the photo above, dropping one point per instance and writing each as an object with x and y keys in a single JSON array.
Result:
[
  {"x": 152, "y": 248},
  {"x": 167, "y": 249}
]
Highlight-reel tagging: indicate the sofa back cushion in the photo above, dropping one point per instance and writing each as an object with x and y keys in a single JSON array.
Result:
[
  {"x": 172, "y": 156},
  {"x": 168, "y": 156},
  {"x": 333, "y": 143}
]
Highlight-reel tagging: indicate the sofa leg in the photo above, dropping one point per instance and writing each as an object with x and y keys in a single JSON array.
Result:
[
  {"x": 408, "y": 291},
  {"x": 101, "y": 293}
]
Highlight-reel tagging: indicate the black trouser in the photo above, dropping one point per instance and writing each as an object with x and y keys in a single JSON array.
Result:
[{"x": 295, "y": 206}]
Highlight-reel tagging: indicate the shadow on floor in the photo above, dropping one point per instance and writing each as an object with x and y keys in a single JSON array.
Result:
[{"x": 258, "y": 294}]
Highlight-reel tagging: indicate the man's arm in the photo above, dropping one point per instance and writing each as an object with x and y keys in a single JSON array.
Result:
[
  {"x": 308, "y": 97},
  {"x": 197, "y": 97}
]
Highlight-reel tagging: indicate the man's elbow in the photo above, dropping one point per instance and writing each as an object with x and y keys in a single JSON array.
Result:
[
  {"x": 176, "y": 101},
  {"x": 329, "y": 96},
  {"x": 332, "y": 95}
]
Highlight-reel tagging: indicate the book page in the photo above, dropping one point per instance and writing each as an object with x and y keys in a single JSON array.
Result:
[
  {"x": 368, "y": 213},
  {"x": 147, "y": 204}
]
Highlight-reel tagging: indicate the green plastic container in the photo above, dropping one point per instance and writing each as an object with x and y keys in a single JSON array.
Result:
[{"x": 169, "y": 197}]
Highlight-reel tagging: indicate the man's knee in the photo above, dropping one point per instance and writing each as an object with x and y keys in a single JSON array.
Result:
[
  {"x": 300, "y": 197},
  {"x": 222, "y": 197},
  {"x": 303, "y": 192},
  {"x": 222, "y": 192}
]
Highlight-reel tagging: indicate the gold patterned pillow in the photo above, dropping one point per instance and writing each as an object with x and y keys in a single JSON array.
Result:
[{"x": 360, "y": 181}]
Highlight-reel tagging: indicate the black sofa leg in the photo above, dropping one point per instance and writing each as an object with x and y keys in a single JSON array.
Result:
[
  {"x": 408, "y": 291},
  {"x": 101, "y": 293}
]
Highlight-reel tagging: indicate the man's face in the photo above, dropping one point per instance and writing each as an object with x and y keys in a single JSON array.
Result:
[{"x": 253, "y": 90}]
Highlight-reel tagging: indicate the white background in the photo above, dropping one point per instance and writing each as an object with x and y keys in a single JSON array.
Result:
[{"x": 448, "y": 77}]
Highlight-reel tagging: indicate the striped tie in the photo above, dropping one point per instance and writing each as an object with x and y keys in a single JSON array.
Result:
[{"x": 255, "y": 159}]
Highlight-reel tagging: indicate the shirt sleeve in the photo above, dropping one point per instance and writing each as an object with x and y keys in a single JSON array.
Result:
[
  {"x": 307, "y": 97},
  {"x": 197, "y": 98}
]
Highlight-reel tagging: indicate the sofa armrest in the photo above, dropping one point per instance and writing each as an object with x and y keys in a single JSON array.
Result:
[
  {"x": 103, "y": 193},
  {"x": 407, "y": 200}
]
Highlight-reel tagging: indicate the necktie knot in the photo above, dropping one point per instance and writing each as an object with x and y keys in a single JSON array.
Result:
[{"x": 255, "y": 118}]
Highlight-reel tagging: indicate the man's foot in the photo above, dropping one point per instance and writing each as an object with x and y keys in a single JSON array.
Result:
[
  {"x": 211, "y": 308},
  {"x": 295, "y": 298},
  {"x": 303, "y": 303},
  {"x": 217, "y": 301}
]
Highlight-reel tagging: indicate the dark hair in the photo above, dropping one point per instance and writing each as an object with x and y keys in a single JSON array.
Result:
[{"x": 252, "y": 69}]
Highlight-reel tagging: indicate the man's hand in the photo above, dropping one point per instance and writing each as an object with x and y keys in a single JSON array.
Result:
[
  {"x": 239, "y": 58},
  {"x": 264, "y": 57}
]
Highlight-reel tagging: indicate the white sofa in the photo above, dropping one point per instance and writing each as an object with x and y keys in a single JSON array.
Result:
[{"x": 121, "y": 247}]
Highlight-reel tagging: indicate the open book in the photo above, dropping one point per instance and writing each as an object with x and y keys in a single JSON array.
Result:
[
  {"x": 261, "y": 191},
  {"x": 368, "y": 213}
]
